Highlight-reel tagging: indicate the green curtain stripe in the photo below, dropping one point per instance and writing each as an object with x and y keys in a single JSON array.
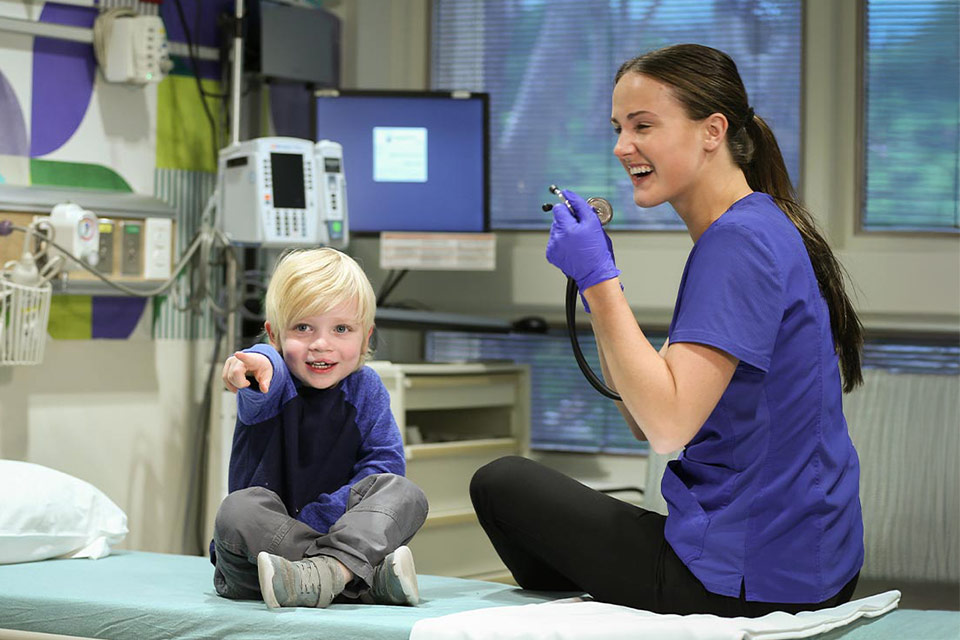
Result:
[{"x": 55, "y": 173}]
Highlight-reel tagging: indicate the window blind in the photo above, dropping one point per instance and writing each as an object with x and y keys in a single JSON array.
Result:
[
  {"x": 912, "y": 119},
  {"x": 549, "y": 68},
  {"x": 899, "y": 356},
  {"x": 567, "y": 414}
]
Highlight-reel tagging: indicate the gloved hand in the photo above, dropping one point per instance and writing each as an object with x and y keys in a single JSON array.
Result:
[{"x": 579, "y": 246}]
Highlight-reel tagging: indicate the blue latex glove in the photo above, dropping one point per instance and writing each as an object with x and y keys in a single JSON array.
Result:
[{"x": 579, "y": 246}]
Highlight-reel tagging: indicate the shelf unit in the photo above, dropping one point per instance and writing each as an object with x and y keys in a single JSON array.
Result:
[{"x": 455, "y": 418}]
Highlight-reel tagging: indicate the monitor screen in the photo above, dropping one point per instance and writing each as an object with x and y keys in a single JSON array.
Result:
[
  {"x": 413, "y": 161},
  {"x": 286, "y": 171}
]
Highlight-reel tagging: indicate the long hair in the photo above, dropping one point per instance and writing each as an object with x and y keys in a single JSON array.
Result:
[{"x": 706, "y": 81}]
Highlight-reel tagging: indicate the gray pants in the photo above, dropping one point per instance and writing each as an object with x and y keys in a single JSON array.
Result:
[{"x": 384, "y": 511}]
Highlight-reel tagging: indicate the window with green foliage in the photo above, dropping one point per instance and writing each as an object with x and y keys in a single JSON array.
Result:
[
  {"x": 549, "y": 67},
  {"x": 911, "y": 122}
]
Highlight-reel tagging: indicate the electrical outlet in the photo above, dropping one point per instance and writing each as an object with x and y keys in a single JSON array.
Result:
[
  {"x": 131, "y": 256},
  {"x": 105, "y": 262},
  {"x": 158, "y": 244}
]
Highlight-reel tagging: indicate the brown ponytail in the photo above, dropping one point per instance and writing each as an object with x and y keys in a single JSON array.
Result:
[
  {"x": 706, "y": 81},
  {"x": 766, "y": 172}
]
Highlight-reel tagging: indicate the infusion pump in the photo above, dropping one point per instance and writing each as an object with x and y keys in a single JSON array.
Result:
[{"x": 283, "y": 192}]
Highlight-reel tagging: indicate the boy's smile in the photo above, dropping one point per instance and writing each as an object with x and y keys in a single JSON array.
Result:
[{"x": 323, "y": 349}]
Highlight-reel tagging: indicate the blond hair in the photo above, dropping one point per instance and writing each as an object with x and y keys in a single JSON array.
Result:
[{"x": 309, "y": 282}]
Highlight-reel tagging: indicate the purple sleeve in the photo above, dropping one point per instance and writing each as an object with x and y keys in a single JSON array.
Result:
[
  {"x": 381, "y": 447},
  {"x": 254, "y": 406},
  {"x": 731, "y": 296}
]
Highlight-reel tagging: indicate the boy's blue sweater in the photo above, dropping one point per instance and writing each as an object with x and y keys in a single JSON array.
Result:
[{"x": 308, "y": 445}]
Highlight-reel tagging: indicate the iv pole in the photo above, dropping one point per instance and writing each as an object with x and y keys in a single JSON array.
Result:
[{"x": 235, "y": 90}]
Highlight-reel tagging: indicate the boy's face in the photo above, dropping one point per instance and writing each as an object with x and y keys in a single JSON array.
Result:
[{"x": 322, "y": 350}]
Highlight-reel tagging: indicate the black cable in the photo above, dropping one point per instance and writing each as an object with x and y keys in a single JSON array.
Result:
[
  {"x": 389, "y": 284},
  {"x": 196, "y": 498},
  {"x": 575, "y": 343},
  {"x": 396, "y": 281},
  {"x": 194, "y": 49},
  {"x": 214, "y": 129}
]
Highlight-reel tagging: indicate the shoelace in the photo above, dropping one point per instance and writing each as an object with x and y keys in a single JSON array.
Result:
[{"x": 309, "y": 578}]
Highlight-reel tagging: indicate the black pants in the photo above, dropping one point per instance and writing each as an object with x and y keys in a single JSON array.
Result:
[{"x": 555, "y": 534}]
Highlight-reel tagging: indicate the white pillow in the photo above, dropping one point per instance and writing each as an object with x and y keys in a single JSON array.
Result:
[{"x": 46, "y": 513}]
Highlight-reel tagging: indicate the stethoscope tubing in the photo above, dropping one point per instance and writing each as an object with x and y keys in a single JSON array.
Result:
[{"x": 588, "y": 373}]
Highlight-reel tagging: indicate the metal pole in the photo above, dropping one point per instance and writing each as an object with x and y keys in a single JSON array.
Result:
[
  {"x": 237, "y": 74},
  {"x": 232, "y": 310}
]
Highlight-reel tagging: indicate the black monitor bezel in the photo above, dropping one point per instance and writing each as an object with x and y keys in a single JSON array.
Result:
[{"x": 445, "y": 95}]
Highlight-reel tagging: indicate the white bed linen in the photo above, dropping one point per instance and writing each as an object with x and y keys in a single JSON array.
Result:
[{"x": 577, "y": 619}]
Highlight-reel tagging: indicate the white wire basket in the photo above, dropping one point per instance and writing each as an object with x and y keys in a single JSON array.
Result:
[{"x": 25, "y": 311}]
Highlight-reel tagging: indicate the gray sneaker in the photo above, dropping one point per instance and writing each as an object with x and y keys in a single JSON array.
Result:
[
  {"x": 311, "y": 582},
  {"x": 395, "y": 580}
]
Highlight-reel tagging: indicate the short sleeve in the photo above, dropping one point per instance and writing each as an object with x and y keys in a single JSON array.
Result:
[{"x": 731, "y": 296}]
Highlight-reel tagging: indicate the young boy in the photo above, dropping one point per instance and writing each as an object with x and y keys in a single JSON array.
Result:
[{"x": 318, "y": 504}]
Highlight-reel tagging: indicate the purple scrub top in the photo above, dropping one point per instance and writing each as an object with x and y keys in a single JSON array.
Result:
[{"x": 766, "y": 494}]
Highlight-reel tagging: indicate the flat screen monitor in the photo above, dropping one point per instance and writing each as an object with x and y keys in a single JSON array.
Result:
[{"x": 413, "y": 161}]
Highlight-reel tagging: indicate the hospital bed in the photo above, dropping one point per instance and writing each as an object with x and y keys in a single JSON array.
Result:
[
  {"x": 148, "y": 596},
  {"x": 151, "y": 596}
]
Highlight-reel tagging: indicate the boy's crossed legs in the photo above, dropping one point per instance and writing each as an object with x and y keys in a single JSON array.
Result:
[{"x": 300, "y": 567}]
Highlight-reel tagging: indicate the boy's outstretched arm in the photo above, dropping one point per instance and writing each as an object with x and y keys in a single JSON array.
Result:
[{"x": 265, "y": 365}]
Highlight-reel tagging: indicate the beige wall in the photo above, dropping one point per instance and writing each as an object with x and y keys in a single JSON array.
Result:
[{"x": 121, "y": 415}]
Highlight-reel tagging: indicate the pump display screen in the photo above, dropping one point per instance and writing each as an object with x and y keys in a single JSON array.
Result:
[
  {"x": 287, "y": 177},
  {"x": 413, "y": 160}
]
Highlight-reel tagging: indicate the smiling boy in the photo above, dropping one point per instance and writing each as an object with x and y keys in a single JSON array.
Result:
[{"x": 318, "y": 504}]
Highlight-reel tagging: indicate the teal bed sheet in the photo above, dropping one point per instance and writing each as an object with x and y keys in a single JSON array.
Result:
[
  {"x": 149, "y": 596},
  {"x": 901, "y": 624}
]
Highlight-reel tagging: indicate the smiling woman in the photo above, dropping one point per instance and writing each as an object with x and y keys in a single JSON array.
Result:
[{"x": 763, "y": 505}]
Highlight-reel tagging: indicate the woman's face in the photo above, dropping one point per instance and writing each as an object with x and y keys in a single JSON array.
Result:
[{"x": 658, "y": 145}]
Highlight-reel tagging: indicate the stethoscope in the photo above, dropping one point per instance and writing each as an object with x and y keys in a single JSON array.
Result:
[{"x": 604, "y": 211}]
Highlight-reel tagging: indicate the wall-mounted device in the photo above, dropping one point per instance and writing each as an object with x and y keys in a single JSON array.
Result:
[
  {"x": 333, "y": 191},
  {"x": 270, "y": 197},
  {"x": 131, "y": 48},
  {"x": 78, "y": 231},
  {"x": 277, "y": 35}
]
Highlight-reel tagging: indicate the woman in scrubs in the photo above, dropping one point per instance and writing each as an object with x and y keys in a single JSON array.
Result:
[{"x": 764, "y": 510}]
